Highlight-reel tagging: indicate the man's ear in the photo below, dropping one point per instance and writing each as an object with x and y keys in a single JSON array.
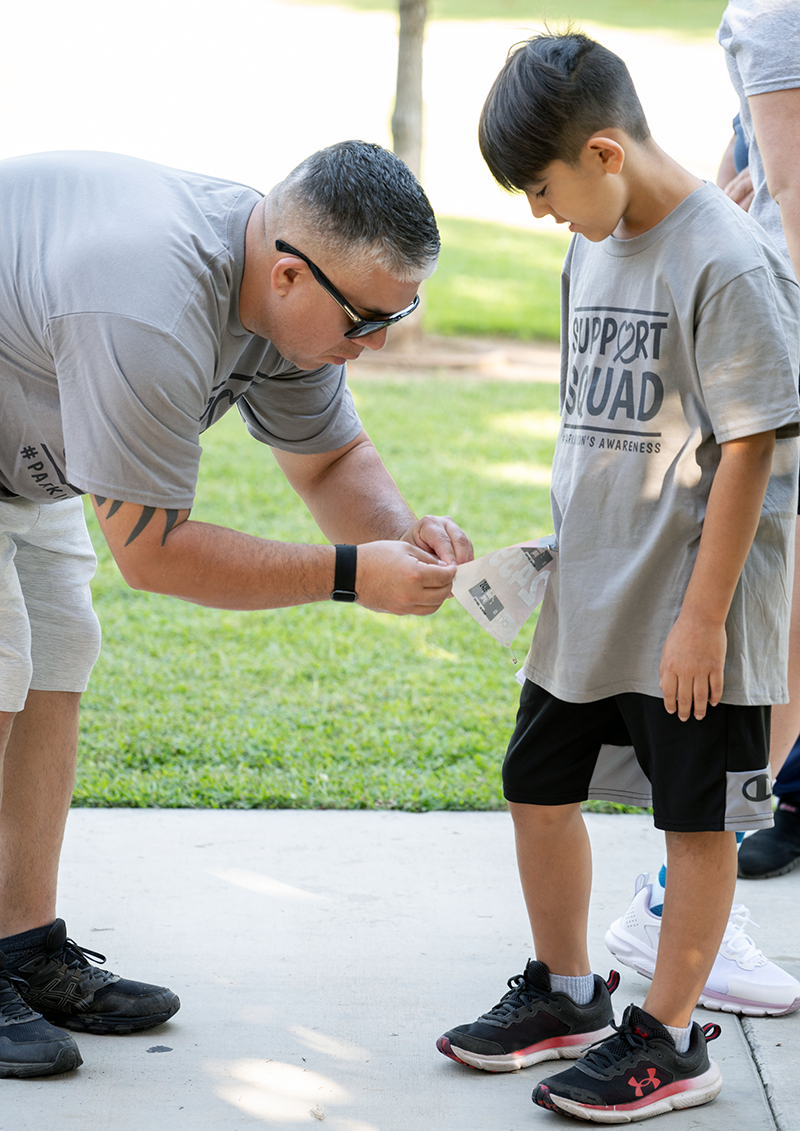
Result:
[
  {"x": 285, "y": 273},
  {"x": 608, "y": 152}
]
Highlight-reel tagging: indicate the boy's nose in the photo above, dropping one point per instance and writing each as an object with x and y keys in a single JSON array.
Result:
[{"x": 540, "y": 209}]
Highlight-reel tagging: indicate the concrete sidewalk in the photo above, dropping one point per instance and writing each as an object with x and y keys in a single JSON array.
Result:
[{"x": 319, "y": 955}]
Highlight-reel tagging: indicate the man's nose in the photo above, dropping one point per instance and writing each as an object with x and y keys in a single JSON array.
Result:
[{"x": 375, "y": 341}]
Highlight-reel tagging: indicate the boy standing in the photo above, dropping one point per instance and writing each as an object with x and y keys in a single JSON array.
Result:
[{"x": 674, "y": 493}]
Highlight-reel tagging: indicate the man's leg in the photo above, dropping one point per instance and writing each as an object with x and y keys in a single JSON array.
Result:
[
  {"x": 38, "y": 779},
  {"x": 29, "y": 1046},
  {"x": 555, "y": 868},
  {"x": 697, "y": 903},
  {"x": 61, "y": 983}
]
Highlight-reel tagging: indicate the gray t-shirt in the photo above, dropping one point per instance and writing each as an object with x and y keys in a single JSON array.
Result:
[
  {"x": 761, "y": 39},
  {"x": 120, "y": 339},
  {"x": 673, "y": 343}
]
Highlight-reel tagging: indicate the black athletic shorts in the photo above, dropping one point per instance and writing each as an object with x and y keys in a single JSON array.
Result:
[{"x": 704, "y": 776}]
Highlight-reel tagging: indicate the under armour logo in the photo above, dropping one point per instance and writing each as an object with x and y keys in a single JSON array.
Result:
[
  {"x": 758, "y": 788},
  {"x": 650, "y": 1081}
]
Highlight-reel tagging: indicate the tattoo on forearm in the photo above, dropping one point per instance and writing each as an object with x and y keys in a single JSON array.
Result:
[
  {"x": 144, "y": 518},
  {"x": 172, "y": 518}
]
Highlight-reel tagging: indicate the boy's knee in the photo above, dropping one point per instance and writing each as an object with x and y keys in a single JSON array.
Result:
[{"x": 542, "y": 816}]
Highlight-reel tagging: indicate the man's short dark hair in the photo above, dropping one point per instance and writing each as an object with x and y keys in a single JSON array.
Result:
[
  {"x": 554, "y": 92},
  {"x": 362, "y": 201}
]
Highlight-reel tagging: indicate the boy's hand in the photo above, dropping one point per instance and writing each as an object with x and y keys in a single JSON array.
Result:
[{"x": 692, "y": 665}]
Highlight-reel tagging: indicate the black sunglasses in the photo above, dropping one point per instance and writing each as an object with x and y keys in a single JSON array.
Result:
[{"x": 361, "y": 326}]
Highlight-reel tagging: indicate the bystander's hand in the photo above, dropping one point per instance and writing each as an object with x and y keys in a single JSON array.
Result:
[{"x": 740, "y": 189}]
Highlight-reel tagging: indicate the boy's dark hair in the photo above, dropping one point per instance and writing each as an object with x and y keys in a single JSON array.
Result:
[{"x": 554, "y": 91}]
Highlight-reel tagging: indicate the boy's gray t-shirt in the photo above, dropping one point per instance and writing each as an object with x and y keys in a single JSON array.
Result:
[
  {"x": 120, "y": 339},
  {"x": 673, "y": 342},
  {"x": 761, "y": 39}
]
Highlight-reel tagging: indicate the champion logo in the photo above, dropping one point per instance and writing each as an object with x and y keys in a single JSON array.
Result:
[
  {"x": 757, "y": 788},
  {"x": 650, "y": 1081}
]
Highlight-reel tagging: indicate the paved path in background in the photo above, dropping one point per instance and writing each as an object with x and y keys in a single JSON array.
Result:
[
  {"x": 318, "y": 956},
  {"x": 469, "y": 359}
]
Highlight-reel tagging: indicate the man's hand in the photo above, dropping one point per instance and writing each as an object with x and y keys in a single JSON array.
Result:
[
  {"x": 442, "y": 537},
  {"x": 692, "y": 666},
  {"x": 395, "y": 577}
]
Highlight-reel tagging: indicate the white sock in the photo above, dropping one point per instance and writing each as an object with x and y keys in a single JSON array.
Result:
[
  {"x": 580, "y": 989},
  {"x": 681, "y": 1037}
]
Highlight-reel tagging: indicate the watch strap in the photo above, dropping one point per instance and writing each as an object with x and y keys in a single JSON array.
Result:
[{"x": 344, "y": 578}]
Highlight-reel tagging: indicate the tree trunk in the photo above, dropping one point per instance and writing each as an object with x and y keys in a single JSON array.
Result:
[
  {"x": 407, "y": 129},
  {"x": 407, "y": 116}
]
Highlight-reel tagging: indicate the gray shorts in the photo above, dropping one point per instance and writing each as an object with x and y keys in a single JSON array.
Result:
[{"x": 49, "y": 634}]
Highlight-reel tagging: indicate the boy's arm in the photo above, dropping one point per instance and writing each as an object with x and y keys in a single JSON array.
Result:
[{"x": 693, "y": 658}]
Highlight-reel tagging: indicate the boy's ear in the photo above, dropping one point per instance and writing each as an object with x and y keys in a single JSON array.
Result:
[{"x": 608, "y": 152}]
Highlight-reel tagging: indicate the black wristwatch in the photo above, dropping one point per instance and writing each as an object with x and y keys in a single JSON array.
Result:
[{"x": 344, "y": 578}]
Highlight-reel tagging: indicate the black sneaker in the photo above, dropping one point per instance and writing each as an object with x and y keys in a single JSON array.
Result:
[
  {"x": 775, "y": 851},
  {"x": 635, "y": 1074},
  {"x": 29, "y": 1045},
  {"x": 68, "y": 990},
  {"x": 532, "y": 1023}
]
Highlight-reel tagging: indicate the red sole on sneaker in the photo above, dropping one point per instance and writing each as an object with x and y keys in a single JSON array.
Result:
[
  {"x": 675, "y": 1097},
  {"x": 562, "y": 1048}
]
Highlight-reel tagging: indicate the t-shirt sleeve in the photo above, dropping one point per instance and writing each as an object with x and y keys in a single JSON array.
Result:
[
  {"x": 763, "y": 37},
  {"x": 746, "y": 350},
  {"x": 301, "y": 411},
  {"x": 132, "y": 397}
]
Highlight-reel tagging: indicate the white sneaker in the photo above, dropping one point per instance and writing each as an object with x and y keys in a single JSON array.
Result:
[{"x": 742, "y": 980}]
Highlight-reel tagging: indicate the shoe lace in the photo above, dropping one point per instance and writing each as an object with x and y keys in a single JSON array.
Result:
[
  {"x": 77, "y": 957},
  {"x": 739, "y": 946},
  {"x": 521, "y": 994},
  {"x": 608, "y": 1052},
  {"x": 12, "y": 1007}
]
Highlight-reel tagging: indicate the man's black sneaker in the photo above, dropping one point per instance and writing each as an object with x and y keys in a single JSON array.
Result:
[
  {"x": 29, "y": 1045},
  {"x": 532, "y": 1023},
  {"x": 635, "y": 1074},
  {"x": 775, "y": 851},
  {"x": 63, "y": 986}
]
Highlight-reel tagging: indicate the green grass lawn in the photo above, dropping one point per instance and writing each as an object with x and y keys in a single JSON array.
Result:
[
  {"x": 326, "y": 705},
  {"x": 683, "y": 17},
  {"x": 496, "y": 280}
]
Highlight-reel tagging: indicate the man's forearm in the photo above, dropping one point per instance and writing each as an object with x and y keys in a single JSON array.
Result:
[
  {"x": 226, "y": 569},
  {"x": 353, "y": 499},
  {"x": 164, "y": 552}
]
